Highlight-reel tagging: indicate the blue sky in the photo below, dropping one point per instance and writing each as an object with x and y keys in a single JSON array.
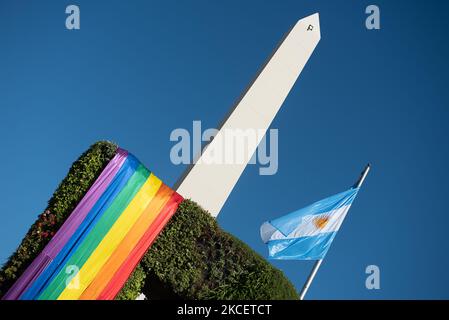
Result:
[{"x": 137, "y": 70}]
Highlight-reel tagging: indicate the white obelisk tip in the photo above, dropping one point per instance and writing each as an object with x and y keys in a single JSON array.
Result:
[
  {"x": 308, "y": 29},
  {"x": 315, "y": 20}
]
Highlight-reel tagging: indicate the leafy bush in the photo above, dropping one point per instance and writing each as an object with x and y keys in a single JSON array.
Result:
[{"x": 192, "y": 258}]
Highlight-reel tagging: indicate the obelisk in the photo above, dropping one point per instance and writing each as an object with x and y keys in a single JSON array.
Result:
[{"x": 210, "y": 184}]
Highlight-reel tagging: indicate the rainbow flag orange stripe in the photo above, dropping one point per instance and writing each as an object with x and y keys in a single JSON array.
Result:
[
  {"x": 129, "y": 242},
  {"x": 131, "y": 262}
]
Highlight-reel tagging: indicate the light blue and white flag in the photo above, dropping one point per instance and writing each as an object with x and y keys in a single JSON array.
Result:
[{"x": 307, "y": 234}]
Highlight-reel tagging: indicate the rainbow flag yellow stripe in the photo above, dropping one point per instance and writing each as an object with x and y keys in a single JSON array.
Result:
[
  {"x": 112, "y": 239},
  {"x": 125, "y": 247}
]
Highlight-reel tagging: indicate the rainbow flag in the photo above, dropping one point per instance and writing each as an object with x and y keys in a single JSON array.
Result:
[{"x": 104, "y": 238}]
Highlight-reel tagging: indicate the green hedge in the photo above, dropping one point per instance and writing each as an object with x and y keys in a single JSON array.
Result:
[{"x": 192, "y": 258}]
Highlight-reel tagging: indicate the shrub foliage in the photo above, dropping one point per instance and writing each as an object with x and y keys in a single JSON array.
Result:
[{"x": 193, "y": 258}]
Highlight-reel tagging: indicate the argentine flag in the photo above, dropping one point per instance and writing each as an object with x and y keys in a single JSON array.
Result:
[{"x": 307, "y": 234}]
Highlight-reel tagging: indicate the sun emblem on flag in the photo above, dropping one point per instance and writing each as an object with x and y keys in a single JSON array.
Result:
[{"x": 320, "y": 222}]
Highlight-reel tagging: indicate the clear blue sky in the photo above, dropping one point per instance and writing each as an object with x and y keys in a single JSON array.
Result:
[{"x": 137, "y": 70}]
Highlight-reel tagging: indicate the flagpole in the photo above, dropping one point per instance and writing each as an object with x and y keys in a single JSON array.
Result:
[
  {"x": 362, "y": 176},
  {"x": 317, "y": 264},
  {"x": 309, "y": 280}
]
